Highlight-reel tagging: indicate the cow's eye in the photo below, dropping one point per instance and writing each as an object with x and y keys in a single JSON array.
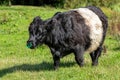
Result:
[{"x": 36, "y": 32}]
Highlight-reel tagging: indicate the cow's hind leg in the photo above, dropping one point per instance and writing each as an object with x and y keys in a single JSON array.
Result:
[
  {"x": 79, "y": 51},
  {"x": 95, "y": 55}
]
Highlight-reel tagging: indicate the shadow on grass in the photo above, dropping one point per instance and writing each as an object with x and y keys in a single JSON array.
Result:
[
  {"x": 117, "y": 49},
  {"x": 44, "y": 66}
]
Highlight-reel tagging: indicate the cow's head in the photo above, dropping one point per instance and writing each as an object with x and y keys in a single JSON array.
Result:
[{"x": 37, "y": 33}]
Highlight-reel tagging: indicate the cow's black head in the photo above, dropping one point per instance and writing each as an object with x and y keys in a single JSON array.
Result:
[{"x": 37, "y": 33}]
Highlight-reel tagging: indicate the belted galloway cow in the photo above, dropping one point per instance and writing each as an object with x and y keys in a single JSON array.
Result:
[{"x": 75, "y": 31}]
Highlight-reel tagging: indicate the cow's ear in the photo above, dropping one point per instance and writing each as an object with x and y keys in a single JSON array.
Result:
[
  {"x": 37, "y": 19},
  {"x": 51, "y": 24}
]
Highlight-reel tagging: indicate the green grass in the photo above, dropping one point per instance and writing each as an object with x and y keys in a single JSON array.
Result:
[{"x": 17, "y": 62}]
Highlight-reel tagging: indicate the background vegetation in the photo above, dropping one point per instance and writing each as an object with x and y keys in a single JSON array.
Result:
[
  {"x": 61, "y": 3},
  {"x": 17, "y": 62}
]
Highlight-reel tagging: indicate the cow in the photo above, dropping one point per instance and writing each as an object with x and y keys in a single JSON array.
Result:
[{"x": 75, "y": 31}]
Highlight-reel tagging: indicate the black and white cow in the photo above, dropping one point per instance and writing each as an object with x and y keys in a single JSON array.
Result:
[{"x": 76, "y": 31}]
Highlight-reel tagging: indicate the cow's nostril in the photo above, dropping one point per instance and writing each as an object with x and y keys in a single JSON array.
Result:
[{"x": 29, "y": 44}]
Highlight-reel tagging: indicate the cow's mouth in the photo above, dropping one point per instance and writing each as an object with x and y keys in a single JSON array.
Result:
[{"x": 30, "y": 45}]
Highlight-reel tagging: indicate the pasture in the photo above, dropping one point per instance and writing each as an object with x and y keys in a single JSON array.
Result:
[{"x": 17, "y": 62}]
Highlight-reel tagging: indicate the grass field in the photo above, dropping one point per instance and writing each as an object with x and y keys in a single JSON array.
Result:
[{"x": 17, "y": 62}]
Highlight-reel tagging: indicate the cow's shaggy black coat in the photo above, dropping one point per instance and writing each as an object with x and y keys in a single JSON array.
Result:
[{"x": 65, "y": 33}]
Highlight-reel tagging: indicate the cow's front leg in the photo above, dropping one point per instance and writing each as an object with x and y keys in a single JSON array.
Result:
[
  {"x": 79, "y": 51},
  {"x": 56, "y": 59}
]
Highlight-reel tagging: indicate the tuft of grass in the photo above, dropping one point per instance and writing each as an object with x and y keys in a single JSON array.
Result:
[{"x": 17, "y": 62}]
